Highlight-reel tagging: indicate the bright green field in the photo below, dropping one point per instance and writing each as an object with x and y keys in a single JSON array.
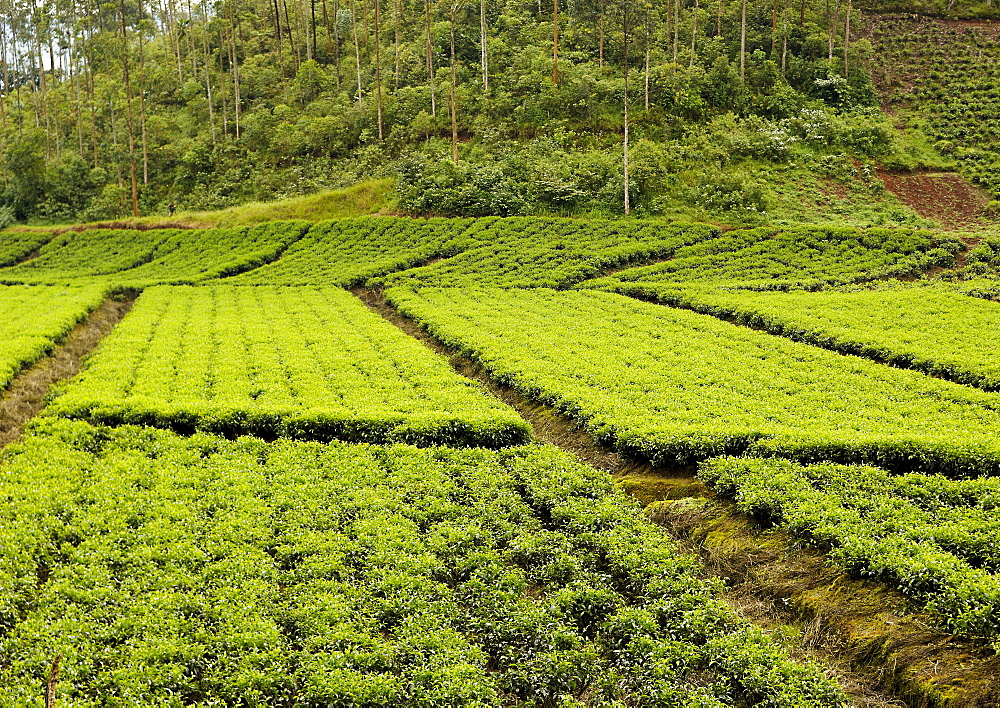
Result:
[{"x": 260, "y": 492}]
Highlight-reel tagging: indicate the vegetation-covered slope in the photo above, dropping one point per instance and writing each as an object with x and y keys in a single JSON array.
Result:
[
  {"x": 113, "y": 109},
  {"x": 944, "y": 78}
]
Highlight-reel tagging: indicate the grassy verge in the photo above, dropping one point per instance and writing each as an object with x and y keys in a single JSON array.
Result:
[{"x": 375, "y": 196}]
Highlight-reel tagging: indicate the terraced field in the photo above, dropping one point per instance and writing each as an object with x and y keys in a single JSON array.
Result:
[
  {"x": 259, "y": 492},
  {"x": 295, "y": 362},
  {"x": 948, "y": 72}
]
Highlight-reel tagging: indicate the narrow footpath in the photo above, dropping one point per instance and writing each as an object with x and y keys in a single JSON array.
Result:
[{"x": 25, "y": 397}]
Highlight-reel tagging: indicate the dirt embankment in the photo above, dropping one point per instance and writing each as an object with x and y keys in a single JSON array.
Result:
[
  {"x": 882, "y": 646},
  {"x": 946, "y": 197}
]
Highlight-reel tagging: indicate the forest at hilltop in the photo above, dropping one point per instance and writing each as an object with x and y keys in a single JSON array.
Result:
[{"x": 496, "y": 107}]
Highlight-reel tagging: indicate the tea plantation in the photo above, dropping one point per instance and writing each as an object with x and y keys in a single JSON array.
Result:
[{"x": 258, "y": 491}]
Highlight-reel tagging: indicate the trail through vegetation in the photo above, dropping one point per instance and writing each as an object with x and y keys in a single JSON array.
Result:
[{"x": 26, "y": 395}]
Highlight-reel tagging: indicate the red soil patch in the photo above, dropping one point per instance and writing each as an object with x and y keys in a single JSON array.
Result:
[{"x": 945, "y": 197}]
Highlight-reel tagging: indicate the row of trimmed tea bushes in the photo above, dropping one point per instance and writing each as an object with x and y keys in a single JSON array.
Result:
[
  {"x": 986, "y": 287},
  {"x": 801, "y": 257},
  {"x": 933, "y": 538},
  {"x": 180, "y": 571},
  {"x": 311, "y": 363},
  {"x": 195, "y": 256},
  {"x": 531, "y": 252},
  {"x": 133, "y": 258},
  {"x": 347, "y": 252},
  {"x": 85, "y": 254},
  {"x": 15, "y": 246},
  {"x": 932, "y": 328},
  {"x": 34, "y": 318},
  {"x": 512, "y": 252},
  {"x": 674, "y": 386}
]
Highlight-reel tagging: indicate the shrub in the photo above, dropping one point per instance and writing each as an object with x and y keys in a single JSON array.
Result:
[{"x": 457, "y": 189}]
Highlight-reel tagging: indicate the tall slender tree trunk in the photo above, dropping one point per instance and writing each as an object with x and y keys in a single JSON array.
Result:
[
  {"x": 336, "y": 40},
  {"x": 430, "y": 56},
  {"x": 454, "y": 100},
  {"x": 142, "y": 109},
  {"x": 128, "y": 113},
  {"x": 42, "y": 81},
  {"x": 677, "y": 26},
  {"x": 18, "y": 66},
  {"x": 357, "y": 45},
  {"x": 293, "y": 47},
  {"x": 847, "y": 39},
  {"x": 329, "y": 32},
  {"x": 600, "y": 41},
  {"x": 694, "y": 32},
  {"x": 311, "y": 46},
  {"x": 397, "y": 11},
  {"x": 646, "y": 76},
  {"x": 555, "y": 42},
  {"x": 170, "y": 12},
  {"x": 378, "y": 66},
  {"x": 5, "y": 76},
  {"x": 223, "y": 55},
  {"x": 743, "y": 40},
  {"x": 784, "y": 40},
  {"x": 234, "y": 67},
  {"x": 625, "y": 142},
  {"x": 774, "y": 26},
  {"x": 834, "y": 25},
  {"x": 191, "y": 48},
  {"x": 93, "y": 100},
  {"x": 718, "y": 21},
  {"x": 277, "y": 36},
  {"x": 77, "y": 71},
  {"x": 114, "y": 146},
  {"x": 208, "y": 72},
  {"x": 484, "y": 58}
]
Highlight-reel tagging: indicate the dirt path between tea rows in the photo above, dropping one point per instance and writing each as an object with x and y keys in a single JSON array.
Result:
[{"x": 25, "y": 397}]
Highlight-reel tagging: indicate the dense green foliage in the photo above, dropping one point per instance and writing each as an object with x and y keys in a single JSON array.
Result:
[
  {"x": 347, "y": 252},
  {"x": 169, "y": 570},
  {"x": 33, "y": 319},
  {"x": 309, "y": 363},
  {"x": 15, "y": 246},
  {"x": 933, "y": 538},
  {"x": 211, "y": 104},
  {"x": 984, "y": 257},
  {"x": 782, "y": 259},
  {"x": 675, "y": 386},
  {"x": 553, "y": 253},
  {"x": 131, "y": 258},
  {"x": 948, "y": 76},
  {"x": 933, "y": 329}
]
